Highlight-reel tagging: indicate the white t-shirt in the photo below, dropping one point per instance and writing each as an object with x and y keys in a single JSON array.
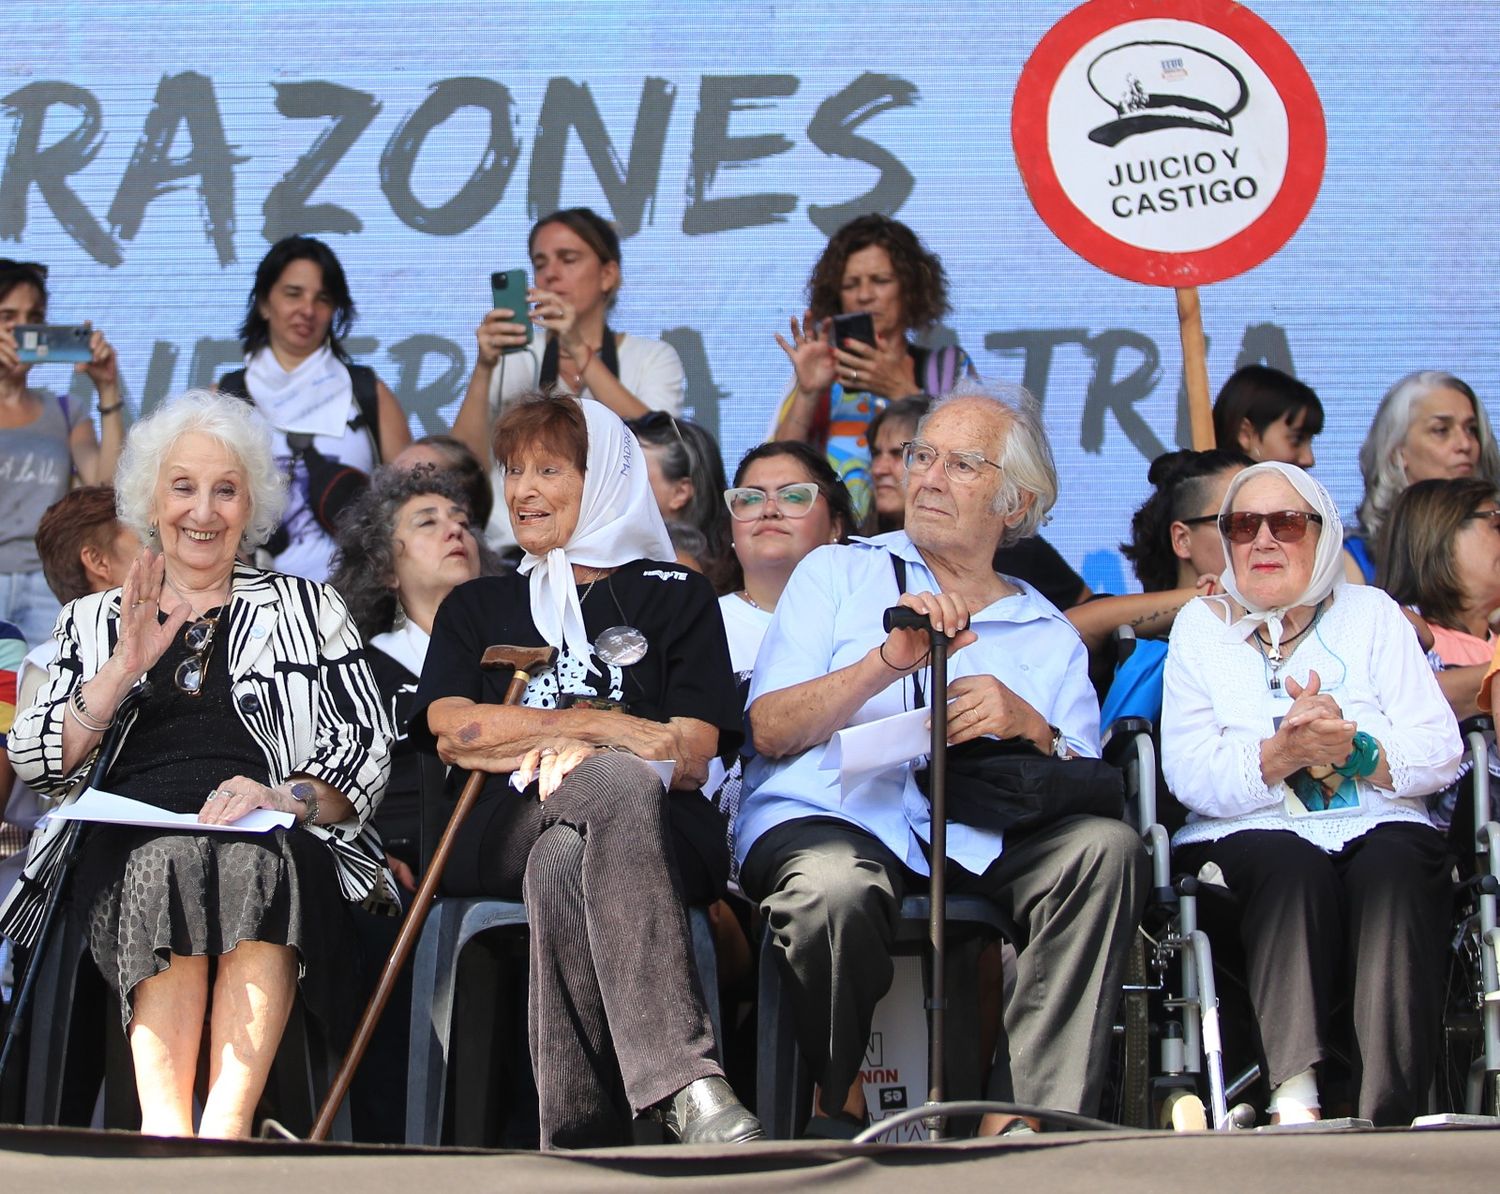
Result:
[
  {"x": 649, "y": 369},
  {"x": 745, "y": 626}
]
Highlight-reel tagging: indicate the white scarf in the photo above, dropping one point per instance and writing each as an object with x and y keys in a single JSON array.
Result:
[
  {"x": 618, "y": 521},
  {"x": 315, "y": 398},
  {"x": 1328, "y": 559}
]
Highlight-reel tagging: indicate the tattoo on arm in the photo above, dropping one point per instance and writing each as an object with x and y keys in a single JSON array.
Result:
[{"x": 1153, "y": 615}]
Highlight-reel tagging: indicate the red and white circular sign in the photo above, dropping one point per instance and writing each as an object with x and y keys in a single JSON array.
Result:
[{"x": 1171, "y": 142}]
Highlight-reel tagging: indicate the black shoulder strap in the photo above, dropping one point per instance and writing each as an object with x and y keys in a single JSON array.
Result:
[
  {"x": 898, "y": 566},
  {"x": 233, "y": 384},
  {"x": 367, "y": 399}
]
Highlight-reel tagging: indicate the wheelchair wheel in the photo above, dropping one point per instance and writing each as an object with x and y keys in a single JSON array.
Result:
[
  {"x": 1135, "y": 1078},
  {"x": 1184, "y": 1112}
]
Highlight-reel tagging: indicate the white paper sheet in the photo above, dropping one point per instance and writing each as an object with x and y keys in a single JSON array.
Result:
[
  {"x": 859, "y": 753},
  {"x": 108, "y": 809},
  {"x": 662, "y": 767}
]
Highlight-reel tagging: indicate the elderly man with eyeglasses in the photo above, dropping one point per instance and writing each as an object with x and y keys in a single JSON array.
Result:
[{"x": 830, "y": 873}]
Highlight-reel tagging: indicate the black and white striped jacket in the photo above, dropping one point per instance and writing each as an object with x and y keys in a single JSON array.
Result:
[{"x": 300, "y": 684}]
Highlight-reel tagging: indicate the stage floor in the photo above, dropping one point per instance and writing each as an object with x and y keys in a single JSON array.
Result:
[{"x": 1366, "y": 1162}]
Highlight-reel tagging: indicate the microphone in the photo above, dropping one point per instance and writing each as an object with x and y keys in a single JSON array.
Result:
[{"x": 901, "y": 617}]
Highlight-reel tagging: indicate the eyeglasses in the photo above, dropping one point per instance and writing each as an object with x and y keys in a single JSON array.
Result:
[
  {"x": 962, "y": 467},
  {"x": 747, "y": 503},
  {"x": 1287, "y": 526},
  {"x": 1201, "y": 520},
  {"x": 653, "y": 423},
  {"x": 199, "y": 639},
  {"x": 1493, "y": 516}
]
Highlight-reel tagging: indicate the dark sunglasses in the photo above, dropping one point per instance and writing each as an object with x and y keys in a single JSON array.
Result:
[
  {"x": 199, "y": 639},
  {"x": 1201, "y": 520},
  {"x": 1287, "y": 526}
]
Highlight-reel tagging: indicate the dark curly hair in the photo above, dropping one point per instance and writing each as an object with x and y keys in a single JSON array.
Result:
[
  {"x": 924, "y": 282},
  {"x": 365, "y": 565},
  {"x": 255, "y": 332},
  {"x": 1182, "y": 481}
]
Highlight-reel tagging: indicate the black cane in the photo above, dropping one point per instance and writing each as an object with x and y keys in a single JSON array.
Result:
[
  {"x": 69, "y": 854},
  {"x": 900, "y": 617}
]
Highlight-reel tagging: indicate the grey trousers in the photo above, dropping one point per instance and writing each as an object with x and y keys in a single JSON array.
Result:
[{"x": 831, "y": 894}]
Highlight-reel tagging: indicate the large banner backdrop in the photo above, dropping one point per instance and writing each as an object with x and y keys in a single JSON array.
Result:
[{"x": 153, "y": 152}]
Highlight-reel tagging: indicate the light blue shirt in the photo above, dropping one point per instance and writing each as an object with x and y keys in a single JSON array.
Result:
[{"x": 828, "y": 618}]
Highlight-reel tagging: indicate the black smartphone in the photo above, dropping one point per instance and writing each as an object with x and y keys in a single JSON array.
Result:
[
  {"x": 508, "y": 292},
  {"x": 858, "y": 325}
]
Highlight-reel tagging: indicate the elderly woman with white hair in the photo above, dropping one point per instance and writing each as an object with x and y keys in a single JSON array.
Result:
[
  {"x": 1304, "y": 730},
  {"x": 250, "y": 691},
  {"x": 829, "y": 869},
  {"x": 1429, "y": 426}
]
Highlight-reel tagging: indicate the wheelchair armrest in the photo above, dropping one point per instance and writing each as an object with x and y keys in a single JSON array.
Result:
[
  {"x": 1122, "y": 640},
  {"x": 1481, "y": 723},
  {"x": 1118, "y": 737}
]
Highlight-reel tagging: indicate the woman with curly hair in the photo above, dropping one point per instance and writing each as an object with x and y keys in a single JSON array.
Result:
[
  {"x": 876, "y": 265},
  {"x": 403, "y": 547}
]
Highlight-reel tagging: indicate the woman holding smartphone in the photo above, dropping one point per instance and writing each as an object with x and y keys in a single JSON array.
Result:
[
  {"x": 575, "y": 259},
  {"x": 876, "y": 266},
  {"x": 44, "y": 443}
]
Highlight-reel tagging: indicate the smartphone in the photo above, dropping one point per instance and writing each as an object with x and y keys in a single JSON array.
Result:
[
  {"x": 37, "y": 343},
  {"x": 508, "y": 292},
  {"x": 858, "y": 325}
]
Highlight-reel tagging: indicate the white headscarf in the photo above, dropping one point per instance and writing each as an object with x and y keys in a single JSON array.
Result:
[
  {"x": 618, "y": 521},
  {"x": 1328, "y": 559}
]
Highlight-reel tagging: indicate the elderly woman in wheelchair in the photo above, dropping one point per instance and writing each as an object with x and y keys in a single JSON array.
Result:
[{"x": 1303, "y": 730}]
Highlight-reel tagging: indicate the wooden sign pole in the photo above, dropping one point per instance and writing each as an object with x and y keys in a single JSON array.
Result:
[{"x": 1195, "y": 367}]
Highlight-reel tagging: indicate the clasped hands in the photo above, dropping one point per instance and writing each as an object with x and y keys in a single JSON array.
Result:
[{"x": 1314, "y": 734}]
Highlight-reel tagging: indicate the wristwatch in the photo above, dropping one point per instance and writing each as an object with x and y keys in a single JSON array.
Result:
[
  {"x": 305, "y": 792},
  {"x": 1059, "y": 743}
]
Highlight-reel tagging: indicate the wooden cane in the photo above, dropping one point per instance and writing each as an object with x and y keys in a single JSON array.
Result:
[{"x": 527, "y": 663}]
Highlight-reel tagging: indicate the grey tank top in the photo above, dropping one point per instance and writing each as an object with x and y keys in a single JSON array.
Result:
[{"x": 35, "y": 470}]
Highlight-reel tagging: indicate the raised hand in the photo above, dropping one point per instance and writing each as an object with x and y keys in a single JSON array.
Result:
[
  {"x": 810, "y": 352},
  {"x": 497, "y": 331},
  {"x": 143, "y": 637}
]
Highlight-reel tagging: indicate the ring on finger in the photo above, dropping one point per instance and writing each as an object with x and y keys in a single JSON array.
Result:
[{"x": 548, "y": 752}]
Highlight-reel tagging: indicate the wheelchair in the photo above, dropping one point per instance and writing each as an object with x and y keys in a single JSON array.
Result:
[{"x": 1172, "y": 1005}]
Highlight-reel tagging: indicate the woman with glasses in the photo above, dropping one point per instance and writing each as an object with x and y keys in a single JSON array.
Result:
[
  {"x": 1304, "y": 731},
  {"x": 786, "y": 501},
  {"x": 44, "y": 443},
  {"x": 564, "y": 341},
  {"x": 687, "y": 480},
  {"x": 875, "y": 266},
  {"x": 231, "y": 690}
]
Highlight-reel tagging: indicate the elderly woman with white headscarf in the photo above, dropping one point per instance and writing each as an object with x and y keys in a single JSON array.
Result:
[
  {"x": 572, "y": 817},
  {"x": 1303, "y": 729}
]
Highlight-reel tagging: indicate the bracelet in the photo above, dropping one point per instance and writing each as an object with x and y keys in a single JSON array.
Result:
[
  {"x": 305, "y": 793},
  {"x": 109, "y": 410},
  {"x": 82, "y": 716},
  {"x": 1363, "y": 758}
]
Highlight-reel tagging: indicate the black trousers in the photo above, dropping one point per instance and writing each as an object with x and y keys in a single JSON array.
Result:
[
  {"x": 831, "y": 894},
  {"x": 1368, "y": 924},
  {"x": 617, "y": 1019}
]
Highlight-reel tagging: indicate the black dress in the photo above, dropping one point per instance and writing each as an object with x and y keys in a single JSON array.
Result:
[{"x": 145, "y": 894}]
